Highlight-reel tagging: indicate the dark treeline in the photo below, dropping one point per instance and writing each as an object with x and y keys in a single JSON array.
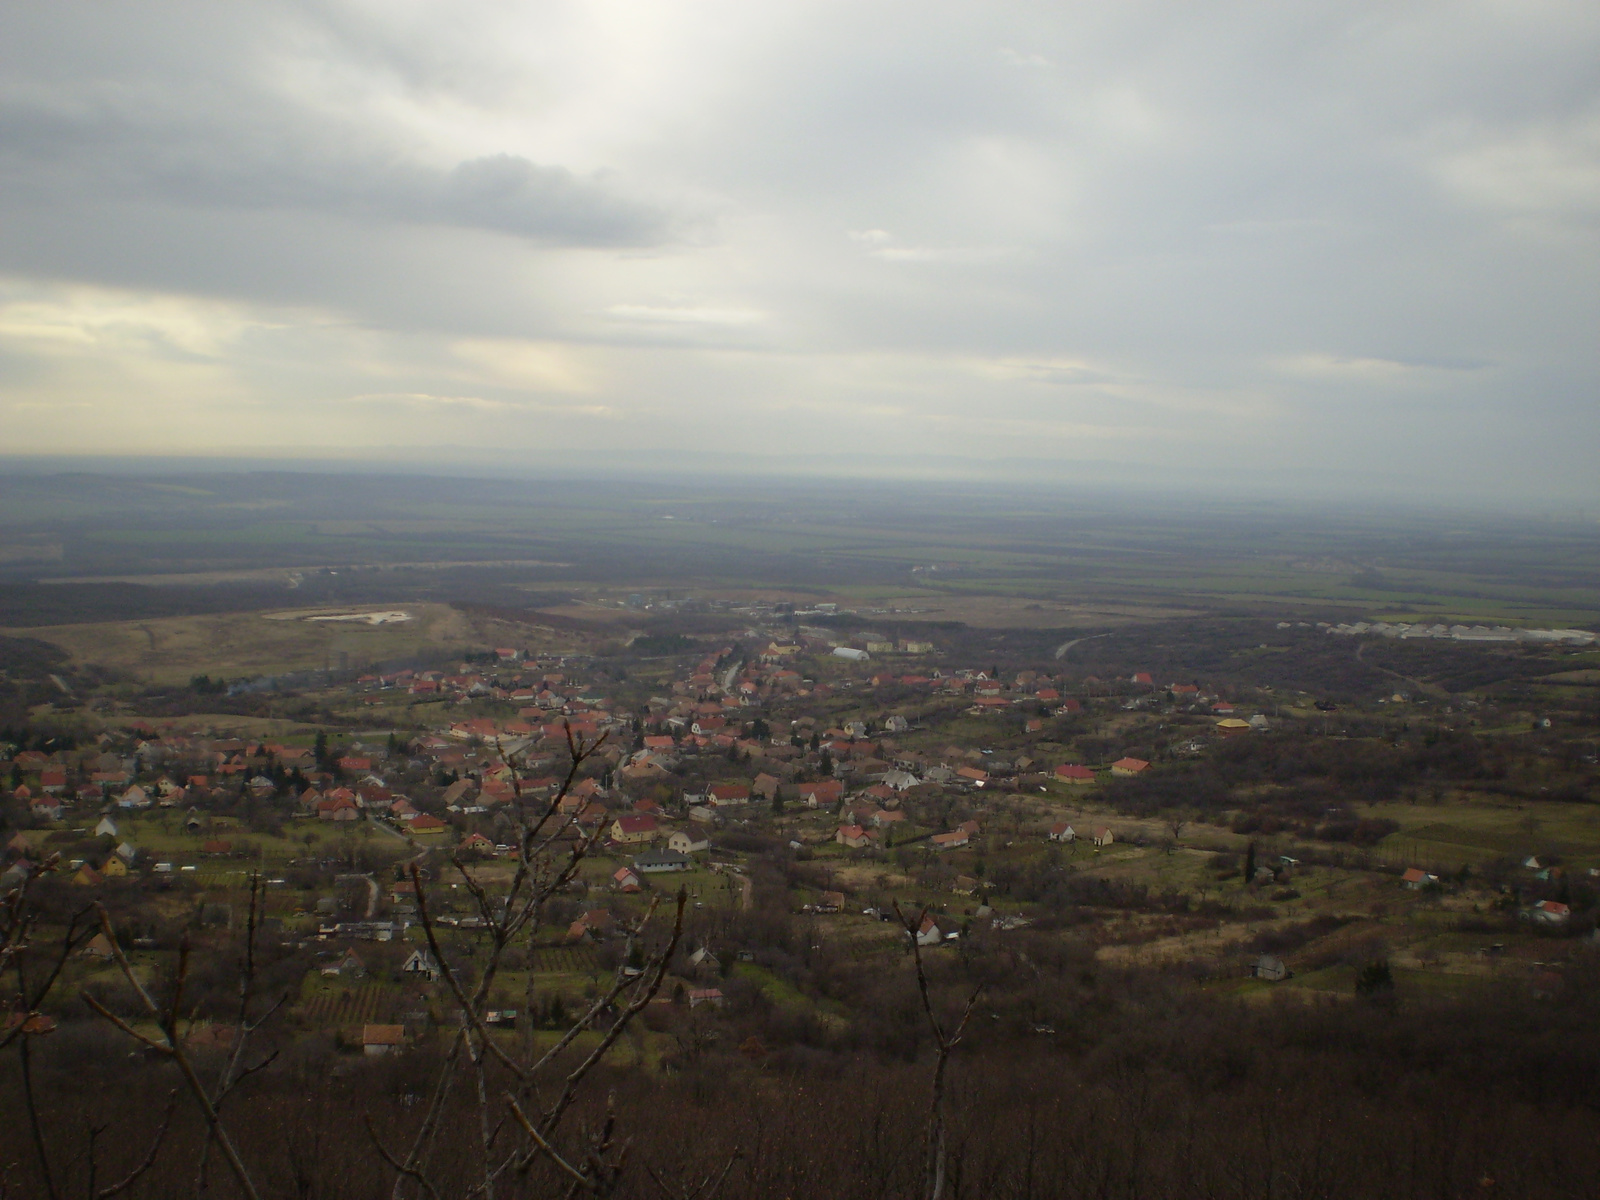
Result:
[
  {"x": 25, "y": 668},
  {"x": 1138, "y": 1086},
  {"x": 1310, "y": 780},
  {"x": 1255, "y": 652}
]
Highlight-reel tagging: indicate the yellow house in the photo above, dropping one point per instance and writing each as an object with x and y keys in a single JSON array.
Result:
[
  {"x": 632, "y": 828},
  {"x": 114, "y": 868}
]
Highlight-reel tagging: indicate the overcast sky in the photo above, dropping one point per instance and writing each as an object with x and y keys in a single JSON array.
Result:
[{"x": 1335, "y": 245}]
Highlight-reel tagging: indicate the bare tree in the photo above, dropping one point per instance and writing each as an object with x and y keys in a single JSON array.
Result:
[
  {"x": 944, "y": 1042},
  {"x": 170, "y": 1040},
  {"x": 19, "y": 921},
  {"x": 524, "y": 1099},
  {"x": 518, "y": 1124}
]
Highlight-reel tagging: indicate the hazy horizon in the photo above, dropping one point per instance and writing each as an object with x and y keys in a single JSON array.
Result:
[
  {"x": 957, "y": 482},
  {"x": 1329, "y": 251}
]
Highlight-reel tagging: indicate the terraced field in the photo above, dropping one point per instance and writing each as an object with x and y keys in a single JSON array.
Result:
[
  {"x": 368, "y": 1004},
  {"x": 563, "y": 960}
]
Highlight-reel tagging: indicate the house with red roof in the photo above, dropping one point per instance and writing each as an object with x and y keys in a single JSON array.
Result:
[
  {"x": 337, "y": 808},
  {"x": 45, "y": 807},
  {"x": 1551, "y": 912},
  {"x": 378, "y": 1040},
  {"x": 634, "y": 828},
  {"x": 853, "y": 836},
  {"x": 823, "y": 793}
]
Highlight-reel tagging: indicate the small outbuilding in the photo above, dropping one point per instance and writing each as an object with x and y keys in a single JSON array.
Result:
[{"x": 1270, "y": 968}]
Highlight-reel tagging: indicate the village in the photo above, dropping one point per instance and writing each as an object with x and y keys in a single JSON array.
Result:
[{"x": 851, "y": 784}]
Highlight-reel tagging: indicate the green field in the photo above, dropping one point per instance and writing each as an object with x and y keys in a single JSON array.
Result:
[{"x": 1474, "y": 832}]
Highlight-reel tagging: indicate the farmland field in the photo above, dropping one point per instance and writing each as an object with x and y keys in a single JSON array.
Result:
[
  {"x": 173, "y": 649},
  {"x": 564, "y": 960},
  {"x": 989, "y": 557},
  {"x": 342, "y": 1005}
]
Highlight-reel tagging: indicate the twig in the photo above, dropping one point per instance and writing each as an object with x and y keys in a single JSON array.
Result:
[
  {"x": 34, "y": 1128},
  {"x": 553, "y": 1117},
  {"x": 936, "y": 1133},
  {"x": 170, "y": 1045},
  {"x": 11, "y": 954},
  {"x": 530, "y": 886},
  {"x": 422, "y": 1144},
  {"x": 231, "y": 1075},
  {"x": 620, "y": 983},
  {"x": 544, "y": 1147},
  {"x": 132, "y": 1177},
  {"x": 404, "y": 1169},
  {"x": 469, "y": 1007},
  {"x": 714, "y": 1178}
]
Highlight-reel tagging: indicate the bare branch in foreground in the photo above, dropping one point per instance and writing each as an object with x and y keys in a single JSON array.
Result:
[
  {"x": 713, "y": 1181},
  {"x": 132, "y": 1177},
  {"x": 405, "y": 1169},
  {"x": 171, "y": 1045},
  {"x": 944, "y": 1044}
]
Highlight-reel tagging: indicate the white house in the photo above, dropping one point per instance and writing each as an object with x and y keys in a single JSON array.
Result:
[
  {"x": 688, "y": 842},
  {"x": 421, "y": 963},
  {"x": 377, "y": 1040},
  {"x": 654, "y": 861}
]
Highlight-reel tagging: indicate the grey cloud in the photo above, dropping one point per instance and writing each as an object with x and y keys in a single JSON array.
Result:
[
  {"x": 511, "y": 194},
  {"x": 249, "y": 159}
]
